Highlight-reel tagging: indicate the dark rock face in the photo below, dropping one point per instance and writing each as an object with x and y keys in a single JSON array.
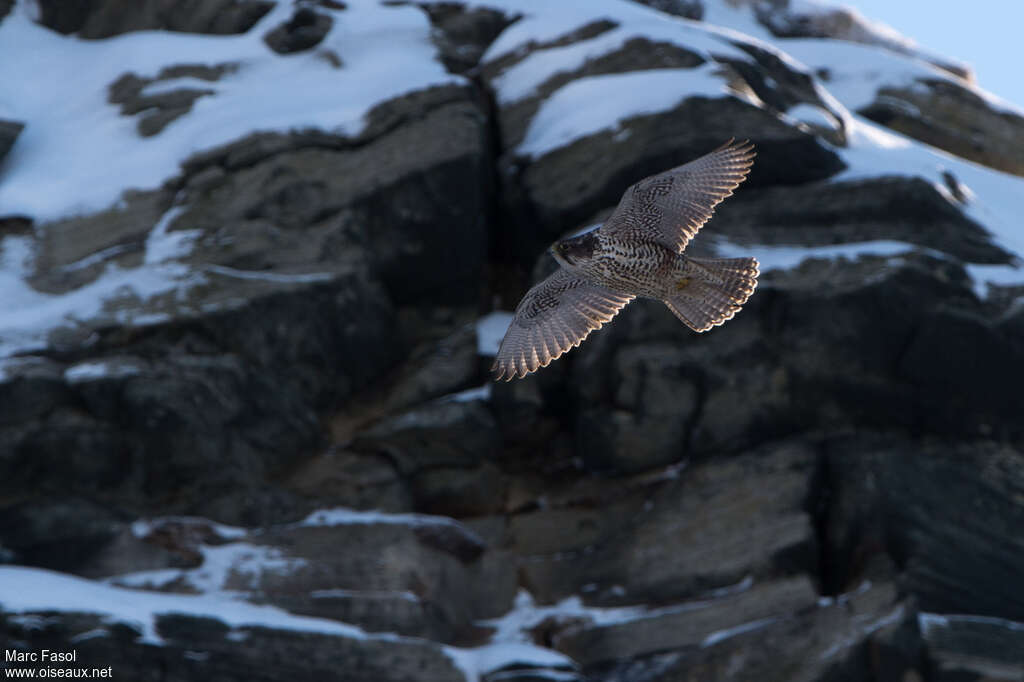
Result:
[
  {"x": 60, "y": 533},
  {"x": 549, "y": 193},
  {"x": 965, "y": 647},
  {"x": 819, "y": 214},
  {"x": 106, "y": 18},
  {"x": 630, "y": 553},
  {"x": 941, "y": 107},
  {"x": 418, "y": 220},
  {"x": 442, "y": 451},
  {"x": 691, "y": 9},
  {"x": 685, "y": 629},
  {"x": 773, "y": 80},
  {"x": 635, "y": 54},
  {"x": 946, "y": 112},
  {"x": 304, "y": 30},
  {"x": 561, "y": 200},
  {"x": 238, "y": 388},
  {"x": 790, "y": 20},
  {"x": 9, "y": 131},
  {"x": 157, "y": 111},
  {"x": 775, "y": 370},
  {"x": 889, "y": 495},
  {"x": 828, "y": 488},
  {"x": 463, "y": 33},
  {"x": 194, "y": 648},
  {"x": 189, "y": 396},
  {"x": 434, "y": 586}
]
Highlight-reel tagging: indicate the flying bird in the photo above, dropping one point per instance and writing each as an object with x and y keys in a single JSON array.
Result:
[{"x": 638, "y": 251}]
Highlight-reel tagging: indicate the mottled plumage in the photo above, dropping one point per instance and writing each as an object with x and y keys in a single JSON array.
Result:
[{"x": 638, "y": 251}]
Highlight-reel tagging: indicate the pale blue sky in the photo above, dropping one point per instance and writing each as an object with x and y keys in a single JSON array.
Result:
[{"x": 987, "y": 34}]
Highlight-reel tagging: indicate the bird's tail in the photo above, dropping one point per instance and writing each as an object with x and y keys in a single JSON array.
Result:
[{"x": 706, "y": 292}]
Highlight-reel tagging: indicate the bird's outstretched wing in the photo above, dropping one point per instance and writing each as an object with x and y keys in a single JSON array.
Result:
[
  {"x": 671, "y": 207},
  {"x": 554, "y": 316}
]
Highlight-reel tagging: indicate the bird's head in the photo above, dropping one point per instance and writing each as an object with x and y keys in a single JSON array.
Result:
[{"x": 572, "y": 251}]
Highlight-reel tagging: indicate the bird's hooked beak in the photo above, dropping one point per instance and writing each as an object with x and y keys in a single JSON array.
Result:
[{"x": 558, "y": 251}]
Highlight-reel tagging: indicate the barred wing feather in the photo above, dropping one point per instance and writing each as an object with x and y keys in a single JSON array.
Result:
[
  {"x": 669, "y": 208},
  {"x": 554, "y": 316}
]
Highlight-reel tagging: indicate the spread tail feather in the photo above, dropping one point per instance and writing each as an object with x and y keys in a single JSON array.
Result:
[{"x": 709, "y": 291}]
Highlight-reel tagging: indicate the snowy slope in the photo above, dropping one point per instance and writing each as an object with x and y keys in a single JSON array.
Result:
[
  {"x": 79, "y": 153},
  {"x": 136, "y": 599}
]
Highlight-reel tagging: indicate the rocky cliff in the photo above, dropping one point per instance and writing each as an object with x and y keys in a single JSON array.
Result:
[{"x": 253, "y": 259}]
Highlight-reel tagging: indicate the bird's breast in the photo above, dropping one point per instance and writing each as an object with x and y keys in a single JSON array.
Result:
[{"x": 635, "y": 267}]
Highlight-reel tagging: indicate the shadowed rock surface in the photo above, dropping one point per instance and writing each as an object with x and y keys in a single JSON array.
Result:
[
  {"x": 9, "y": 131},
  {"x": 293, "y": 465},
  {"x": 943, "y": 113},
  {"x": 106, "y": 18}
]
